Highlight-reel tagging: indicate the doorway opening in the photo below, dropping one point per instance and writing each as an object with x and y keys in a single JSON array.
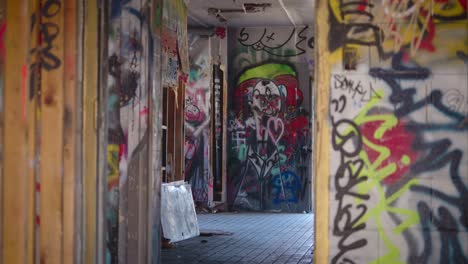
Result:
[{"x": 248, "y": 134}]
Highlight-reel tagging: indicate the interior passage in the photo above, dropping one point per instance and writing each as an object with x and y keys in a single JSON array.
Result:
[{"x": 247, "y": 238}]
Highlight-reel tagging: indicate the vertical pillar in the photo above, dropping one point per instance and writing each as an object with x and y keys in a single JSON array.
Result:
[{"x": 322, "y": 134}]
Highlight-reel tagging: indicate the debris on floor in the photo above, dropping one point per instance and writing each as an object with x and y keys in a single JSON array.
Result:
[
  {"x": 215, "y": 233},
  {"x": 166, "y": 244},
  {"x": 203, "y": 208}
]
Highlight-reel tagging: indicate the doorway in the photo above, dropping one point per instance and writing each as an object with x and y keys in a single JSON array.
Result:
[{"x": 264, "y": 188}]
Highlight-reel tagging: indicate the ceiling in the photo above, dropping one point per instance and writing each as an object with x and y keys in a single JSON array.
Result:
[{"x": 280, "y": 13}]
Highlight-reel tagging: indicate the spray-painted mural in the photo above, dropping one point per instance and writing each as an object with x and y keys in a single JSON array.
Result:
[
  {"x": 197, "y": 119},
  {"x": 399, "y": 132},
  {"x": 129, "y": 58},
  {"x": 269, "y": 119}
]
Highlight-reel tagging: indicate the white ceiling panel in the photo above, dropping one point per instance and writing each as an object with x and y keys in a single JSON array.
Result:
[{"x": 281, "y": 13}]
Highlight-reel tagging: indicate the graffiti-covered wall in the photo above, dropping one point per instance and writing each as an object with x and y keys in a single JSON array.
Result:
[
  {"x": 129, "y": 56},
  {"x": 269, "y": 118},
  {"x": 197, "y": 119},
  {"x": 398, "y": 111}
]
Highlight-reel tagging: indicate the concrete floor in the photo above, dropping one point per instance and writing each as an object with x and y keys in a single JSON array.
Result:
[{"x": 256, "y": 238}]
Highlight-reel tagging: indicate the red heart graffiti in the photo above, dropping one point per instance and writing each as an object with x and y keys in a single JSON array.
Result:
[{"x": 275, "y": 128}]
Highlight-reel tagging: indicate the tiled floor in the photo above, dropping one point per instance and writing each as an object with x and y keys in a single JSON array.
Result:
[{"x": 256, "y": 238}]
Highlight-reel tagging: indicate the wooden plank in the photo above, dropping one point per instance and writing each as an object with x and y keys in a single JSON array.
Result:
[
  {"x": 143, "y": 204},
  {"x": 79, "y": 199},
  {"x": 15, "y": 187},
  {"x": 321, "y": 134},
  {"x": 89, "y": 127},
  {"x": 178, "y": 133},
  {"x": 70, "y": 132},
  {"x": 170, "y": 147},
  {"x": 102, "y": 134},
  {"x": 155, "y": 139},
  {"x": 2, "y": 85},
  {"x": 225, "y": 144},
  {"x": 33, "y": 103},
  {"x": 143, "y": 133},
  {"x": 118, "y": 235},
  {"x": 52, "y": 128}
]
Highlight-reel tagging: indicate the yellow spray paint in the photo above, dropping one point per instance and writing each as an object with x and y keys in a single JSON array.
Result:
[{"x": 376, "y": 174}]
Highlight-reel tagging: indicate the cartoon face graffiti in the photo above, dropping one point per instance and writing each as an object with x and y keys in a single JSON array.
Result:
[
  {"x": 266, "y": 98},
  {"x": 192, "y": 112},
  {"x": 267, "y": 121}
]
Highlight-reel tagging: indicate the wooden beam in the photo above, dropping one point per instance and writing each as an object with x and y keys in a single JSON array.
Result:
[
  {"x": 70, "y": 132},
  {"x": 33, "y": 110},
  {"x": 2, "y": 84},
  {"x": 155, "y": 139},
  {"x": 225, "y": 142},
  {"x": 90, "y": 89},
  {"x": 170, "y": 136},
  {"x": 178, "y": 133},
  {"x": 321, "y": 134},
  {"x": 15, "y": 186},
  {"x": 52, "y": 131}
]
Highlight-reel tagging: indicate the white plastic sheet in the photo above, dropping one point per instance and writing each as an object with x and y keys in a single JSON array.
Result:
[{"x": 178, "y": 216}]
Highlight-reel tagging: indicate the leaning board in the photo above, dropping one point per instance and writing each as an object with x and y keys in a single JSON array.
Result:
[{"x": 178, "y": 216}]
